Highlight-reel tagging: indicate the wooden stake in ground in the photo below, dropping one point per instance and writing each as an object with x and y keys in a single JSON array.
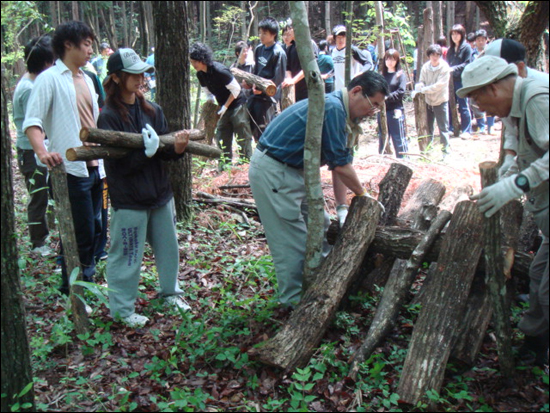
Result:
[
  {"x": 435, "y": 328},
  {"x": 70, "y": 246},
  {"x": 295, "y": 343},
  {"x": 392, "y": 189},
  {"x": 266, "y": 86},
  {"x": 496, "y": 279}
]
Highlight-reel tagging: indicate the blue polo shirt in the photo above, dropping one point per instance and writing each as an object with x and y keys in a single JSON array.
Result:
[{"x": 284, "y": 138}]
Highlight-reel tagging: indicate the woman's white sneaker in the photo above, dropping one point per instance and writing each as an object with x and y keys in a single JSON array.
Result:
[{"x": 178, "y": 303}]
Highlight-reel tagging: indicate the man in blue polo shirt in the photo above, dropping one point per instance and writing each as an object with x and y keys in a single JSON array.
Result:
[{"x": 277, "y": 177}]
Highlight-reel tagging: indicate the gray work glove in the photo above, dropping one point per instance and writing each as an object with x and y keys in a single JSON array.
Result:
[
  {"x": 342, "y": 211},
  {"x": 509, "y": 167}
]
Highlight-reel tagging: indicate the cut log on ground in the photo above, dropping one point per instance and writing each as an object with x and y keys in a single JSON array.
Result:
[
  {"x": 496, "y": 279},
  {"x": 209, "y": 120},
  {"x": 89, "y": 153},
  {"x": 266, "y": 86},
  {"x": 237, "y": 203},
  {"x": 131, "y": 140},
  {"x": 435, "y": 328},
  {"x": 392, "y": 189},
  {"x": 395, "y": 294},
  {"x": 297, "y": 340},
  {"x": 70, "y": 247},
  {"x": 422, "y": 208}
]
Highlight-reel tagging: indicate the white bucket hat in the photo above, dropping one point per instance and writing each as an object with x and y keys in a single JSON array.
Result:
[{"x": 484, "y": 71}]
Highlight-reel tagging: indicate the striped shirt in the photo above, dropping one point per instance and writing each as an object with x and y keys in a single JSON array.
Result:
[
  {"x": 53, "y": 108},
  {"x": 285, "y": 136}
]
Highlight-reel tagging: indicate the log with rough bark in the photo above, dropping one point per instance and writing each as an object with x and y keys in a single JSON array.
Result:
[
  {"x": 295, "y": 343},
  {"x": 439, "y": 318},
  {"x": 392, "y": 189},
  {"x": 131, "y": 140},
  {"x": 266, "y": 86},
  {"x": 63, "y": 210},
  {"x": 209, "y": 120},
  {"x": 395, "y": 294},
  {"x": 237, "y": 203},
  {"x": 88, "y": 153},
  {"x": 495, "y": 277},
  {"x": 289, "y": 97},
  {"x": 422, "y": 208},
  {"x": 454, "y": 109}
]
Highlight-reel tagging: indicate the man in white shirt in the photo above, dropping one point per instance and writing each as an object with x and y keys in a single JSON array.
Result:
[{"x": 63, "y": 101}]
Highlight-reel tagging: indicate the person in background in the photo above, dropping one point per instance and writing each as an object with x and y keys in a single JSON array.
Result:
[
  {"x": 62, "y": 102},
  {"x": 434, "y": 84},
  {"x": 326, "y": 66},
  {"x": 294, "y": 73},
  {"x": 100, "y": 62},
  {"x": 471, "y": 38},
  {"x": 242, "y": 62},
  {"x": 496, "y": 87},
  {"x": 151, "y": 78},
  {"x": 484, "y": 123},
  {"x": 361, "y": 60},
  {"x": 442, "y": 41},
  {"x": 39, "y": 56},
  {"x": 459, "y": 56},
  {"x": 270, "y": 63},
  {"x": 217, "y": 82},
  {"x": 141, "y": 195},
  {"x": 395, "y": 112}
]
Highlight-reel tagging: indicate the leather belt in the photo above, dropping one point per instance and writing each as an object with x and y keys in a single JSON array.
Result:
[{"x": 263, "y": 149}]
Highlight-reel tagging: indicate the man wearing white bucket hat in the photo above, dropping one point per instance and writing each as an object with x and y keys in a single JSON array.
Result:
[{"x": 498, "y": 90}]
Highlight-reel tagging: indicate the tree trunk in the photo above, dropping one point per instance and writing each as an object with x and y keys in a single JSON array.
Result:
[
  {"x": 262, "y": 84},
  {"x": 125, "y": 27},
  {"x": 144, "y": 29},
  {"x": 420, "y": 111},
  {"x": 243, "y": 21},
  {"x": 208, "y": 120},
  {"x": 289, "y": 97},
  {"x": 172, "y": 50},
  {"x": 384, "y": 134},
  {"x": 534, "y": 22},
  {"x": 428, "y": 29},
  {"x": 294, "y": 344},
  {"x": 438, "y": 19},
  {"x": 16, "y": 363},
  {"x": 454, "y": 109},
  {"x": 395, "y": 294},
  {"x": 74, "y": 10},
  {"x": 450, "y": 17},
  {"x": 53, "y": 13},
  {"x": 349, "y": 36},
  {"x": 312, "y": 148},
  {"x": 502, "y": 16},
  {"x": 328, "y": 25},
  {"x": 434, "y": 330},
  {"x": 422, "y": 208},
  {"x": 495, "y": 277},
  {"x": 392, "y": 189}
]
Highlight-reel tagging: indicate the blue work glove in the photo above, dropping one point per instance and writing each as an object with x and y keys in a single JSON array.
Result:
[
  {"x": 150, "y": 140},
  {"x": 494, "y": 197}
]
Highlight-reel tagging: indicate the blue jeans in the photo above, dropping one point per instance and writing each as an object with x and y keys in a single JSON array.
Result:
[
  {"x": 463, "y": 109},
  {"x": 85, "y": 195},
  {"x": 396, "y": 130}
]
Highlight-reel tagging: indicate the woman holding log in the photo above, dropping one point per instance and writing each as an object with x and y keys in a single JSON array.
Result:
[{"x": 141, "y": 196}]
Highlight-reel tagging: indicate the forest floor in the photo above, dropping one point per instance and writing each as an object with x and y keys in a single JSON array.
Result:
[{"x": 198, "y": 361}]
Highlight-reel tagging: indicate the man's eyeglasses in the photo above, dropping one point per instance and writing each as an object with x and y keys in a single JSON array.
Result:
[{"x": 376, "y": 105}]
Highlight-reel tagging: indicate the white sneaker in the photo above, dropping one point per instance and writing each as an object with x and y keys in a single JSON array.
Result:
[
  {"x": 178, "y": 303},
  {"x": 88, "y": 309},
  {"x": 135, "y": 320},
  {"x": 44, "y": 250},
  {"x": 465, "y": 135}
]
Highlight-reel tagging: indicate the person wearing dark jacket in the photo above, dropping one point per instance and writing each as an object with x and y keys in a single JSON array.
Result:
[
  {"x": 141, "y": 195},
  {"x": 459, "y": 56},
  {"x": 395, "y": 113}
]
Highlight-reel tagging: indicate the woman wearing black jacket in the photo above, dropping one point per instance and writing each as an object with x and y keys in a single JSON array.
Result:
[
  {"x": 141, "y": 196},
  {"x": 395, "y": 113},
  {"x": 458, "y": 56}
]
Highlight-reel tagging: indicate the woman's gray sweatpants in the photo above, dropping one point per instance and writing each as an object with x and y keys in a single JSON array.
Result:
[{"x": 129, "y": 231}]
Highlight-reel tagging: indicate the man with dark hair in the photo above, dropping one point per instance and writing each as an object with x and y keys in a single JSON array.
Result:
[
  {"x": 277, "y": 177},
  {"x": 270, "y": 63},
  {"x": 242, "y": 62},
  {"x": 63, "y": 101},
  {"x": 496, "y": 87},
  {"x": 39, "y": 57},
  {"x": 484, "y": 123},
  {"x": 217, "y": 81},
  {"x": 361, "y": 59}
]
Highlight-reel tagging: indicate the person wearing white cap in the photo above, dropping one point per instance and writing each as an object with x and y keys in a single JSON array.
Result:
[
  {"x": 496, "y": 87},
  {"x": 141, "y": 196},
  {"x": 513, "y": 52}
]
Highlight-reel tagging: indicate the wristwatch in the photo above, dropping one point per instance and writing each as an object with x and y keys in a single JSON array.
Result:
[{"x": 522, "y": 183}]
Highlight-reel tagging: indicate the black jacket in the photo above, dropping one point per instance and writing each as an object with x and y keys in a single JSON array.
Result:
[
  {"x": 136, "y": 181},
  {"x": 458, "y": 60}
]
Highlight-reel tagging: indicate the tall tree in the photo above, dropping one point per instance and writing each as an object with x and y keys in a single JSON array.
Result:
[
  {"x": 527, "y": 26},
  {"x": 312, "y": 148},
  {"x": 16, "y": 363},
  {"x": 173, "y": 89}
]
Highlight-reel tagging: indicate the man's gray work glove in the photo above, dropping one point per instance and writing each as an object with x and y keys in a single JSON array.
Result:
[
  {"x": 509, "y": 167},
  {"x": 150, "y": 140}
]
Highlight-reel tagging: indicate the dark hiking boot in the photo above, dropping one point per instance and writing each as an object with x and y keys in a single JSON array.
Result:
[{"x": 534, "y": 351}]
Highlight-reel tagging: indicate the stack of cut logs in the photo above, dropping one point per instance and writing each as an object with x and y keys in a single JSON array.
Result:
[{"x": 456, "y": 300}]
